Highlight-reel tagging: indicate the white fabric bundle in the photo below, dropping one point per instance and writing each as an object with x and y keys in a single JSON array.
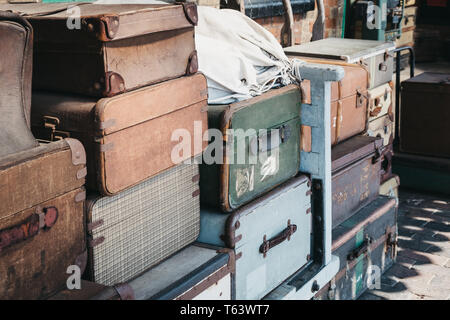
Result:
[{"x": 239, "y": 57}]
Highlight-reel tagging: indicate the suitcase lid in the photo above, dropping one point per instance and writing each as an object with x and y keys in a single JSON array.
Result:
[
  {"x": 354, "y": 149},
  {"x": 356, "y": 79},
  {"x": 428, "y": 81},
  {"x": 109, "y": 115},
  {"x": 105, "y": 22},
  {"x": 349, "y": 50}
]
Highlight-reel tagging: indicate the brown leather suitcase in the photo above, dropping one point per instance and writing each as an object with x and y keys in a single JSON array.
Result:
[
  {"x": 425, "y": 114},
  {"x": 41, "y": 219},
  {"x": 349, "y": 101},
  {"x": 356, "y": 167},
  {"x": 110, "y": 49},
  {"x": 128, "y": 138},
  {"x": 16, "y": 50}
]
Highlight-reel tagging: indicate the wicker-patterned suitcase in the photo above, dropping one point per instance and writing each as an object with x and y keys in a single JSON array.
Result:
[{"x": 138, "y": 228}]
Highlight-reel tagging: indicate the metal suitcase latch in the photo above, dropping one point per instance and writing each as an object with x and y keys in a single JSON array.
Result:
[{"x": 51, "y": 124}]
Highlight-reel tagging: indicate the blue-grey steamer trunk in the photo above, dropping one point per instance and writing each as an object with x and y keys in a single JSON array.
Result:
[
  {"x": 271, "y": 237},
  {"x": 282, "y": 240}
]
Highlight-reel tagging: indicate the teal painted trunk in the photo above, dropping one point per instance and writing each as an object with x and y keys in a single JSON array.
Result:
[
  {"x": 261, "y": 148},
  {"x": 271, "y": 237},
  {"x": 366, "y": 247},
  {"x": 422, "y": 173}
]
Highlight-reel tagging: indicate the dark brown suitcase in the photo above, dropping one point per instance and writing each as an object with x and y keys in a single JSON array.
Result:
[
  {"x": 356, "y": 170},
  {"x": 94, "y": 291},
  {"x": 111, "y": 48},
  {"x": 41, "y": 219},
  {"x": 425, "y": 114},
  {"x": 349, "y": 101},
  {"x": 16, "y": 51},
  {"x": 128, "y": 138}
]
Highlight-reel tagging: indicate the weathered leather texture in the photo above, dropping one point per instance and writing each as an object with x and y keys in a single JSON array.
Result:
[
  {"x": 35, "y": 250},
  {"x": 128, "y": 138},
  {"x": 16, "y": 51},
  {"x": 112, "y": 48}
]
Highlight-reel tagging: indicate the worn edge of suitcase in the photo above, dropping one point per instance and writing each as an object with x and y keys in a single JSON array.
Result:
[
  {"x": 106, "y": 27},
  {"x": 355, "y": 229},
  {"x": 78, "y": 159},
  {"x": 232, "y": 221},
  {"x": 225, "y": 123},
  {"x": 368, "y": 146},
  {"x": 385, "y": 240},
  {"x": 200, "y": 279}
]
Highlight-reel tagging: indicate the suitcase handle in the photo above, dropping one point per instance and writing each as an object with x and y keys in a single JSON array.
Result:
[
  {"x": 42, "y": 219},
  {"x": 280, "y": 238},
  {"x": 263, "y": 143},
  {"x": 362, "y": 249}
]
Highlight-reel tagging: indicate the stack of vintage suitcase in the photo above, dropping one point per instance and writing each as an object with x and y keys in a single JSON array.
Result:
[
  {"x": 423, "y": 162},
  {"x": 364, "y": 221},
  {"x": 408, "y": 27},
  {"x": 122, "y": 80}
]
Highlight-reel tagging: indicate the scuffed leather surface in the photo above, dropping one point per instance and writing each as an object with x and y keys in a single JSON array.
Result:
[{"x": 16, "y": 51}]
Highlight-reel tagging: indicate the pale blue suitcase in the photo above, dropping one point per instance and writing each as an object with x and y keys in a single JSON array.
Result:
[{"x": 271, "y": 237}]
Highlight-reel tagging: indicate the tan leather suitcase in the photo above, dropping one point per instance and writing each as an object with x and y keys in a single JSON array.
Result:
[
  {"x": 104, "y": 49},
  {"x": 348, "y": 101},
  {"x": 16, "y": 51},
  {"x": 41, "y": 219},
  {"x": 128, "y": 138}
]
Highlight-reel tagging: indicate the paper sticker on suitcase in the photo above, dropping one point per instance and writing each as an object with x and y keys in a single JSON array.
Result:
[
  {"x": 356, "y": 165},
  {"x": 102, "y": 50},
  {"x": 130, "y": 137},
  {"x": 367, "y": 246},
  {"x": 262, "y": 137},
  {"x": 138, "y": 228},
  {"x": 198, "y": 272},
  {"x": 41, "y": 219},
  {"x": 15, "y": 90},
  {"x": 375, "y": 56},
  {"x": 271, "y": 237}
]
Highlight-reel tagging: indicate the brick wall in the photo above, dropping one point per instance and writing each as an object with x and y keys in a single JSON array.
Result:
[{"x": 303, "y": 23}]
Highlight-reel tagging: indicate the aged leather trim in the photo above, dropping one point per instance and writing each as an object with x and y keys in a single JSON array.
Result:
[
  {"x": 107, "y": 124},
  {"x": 106, "y": 147},
  {"x": 94, "y": 225},
  {"x": 196, "y": 178},
  {"x": 196, "y": 193},
  {"x": 81, "y": 261},
  {"x": 78, "y": 152},
  {"x": 112, "y": 23},
  {"x": 82, "y": 173},
  {"x": 190, "y": 10},
  {"x": 114, "y": 84},
  {"x": 125, "y": 291},
  {"x": 192, "y": 66},
  {"x": 80, "y": 196},
  {"x": 95, "y": 242}
]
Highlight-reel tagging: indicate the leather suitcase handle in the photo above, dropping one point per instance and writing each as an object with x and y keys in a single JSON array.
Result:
[
  {"x": 263, "y": 143},
  {"x": 29, "y": 228},
  {"x": 280, "y": 238},
  {"x": 362, "y": 249}
]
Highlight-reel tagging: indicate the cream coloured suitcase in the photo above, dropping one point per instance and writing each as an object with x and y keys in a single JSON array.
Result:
[
  {"x": 138, "y": 228},
  {"x": 380, "y": 101},
  {"x": 382, "y": 127}
]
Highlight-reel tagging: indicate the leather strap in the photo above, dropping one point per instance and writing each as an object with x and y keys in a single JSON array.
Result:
[{"x": 28, "y": 228}]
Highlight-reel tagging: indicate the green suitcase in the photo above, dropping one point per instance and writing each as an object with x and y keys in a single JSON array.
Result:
[{"x": 261, "y": 148}]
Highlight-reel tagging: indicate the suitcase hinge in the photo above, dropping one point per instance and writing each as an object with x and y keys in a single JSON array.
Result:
[
  {"x": 94, "y": 225},
  {"x": 95, "y": 242},
  {"x": 51, "y": 124}
]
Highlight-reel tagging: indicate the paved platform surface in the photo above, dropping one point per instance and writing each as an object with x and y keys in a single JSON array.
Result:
[{"x": 422, "y": 270}]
